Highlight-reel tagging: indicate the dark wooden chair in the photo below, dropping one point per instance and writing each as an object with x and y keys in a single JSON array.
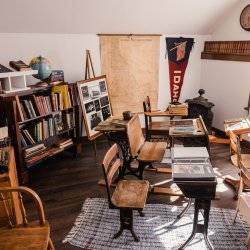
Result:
[
  {"x": 154, "y": 127},
  {"x": 144, "y": 151},
  {"x": 33, "y": 235},
  {"x": 128, "y": 195}
]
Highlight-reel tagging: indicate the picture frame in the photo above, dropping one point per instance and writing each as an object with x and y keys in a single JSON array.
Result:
[{"x": 95, "y": 103}]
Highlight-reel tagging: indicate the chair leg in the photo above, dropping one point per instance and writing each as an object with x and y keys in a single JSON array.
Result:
[
  {"x": 126, "y": 222},
  {"x": 141, "y": 168},
  {"x": 141, "y": 213},
  {"x": 51, "y": 245}
]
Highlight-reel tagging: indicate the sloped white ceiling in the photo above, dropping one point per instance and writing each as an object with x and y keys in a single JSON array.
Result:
[{"x": 113, "y": 16}]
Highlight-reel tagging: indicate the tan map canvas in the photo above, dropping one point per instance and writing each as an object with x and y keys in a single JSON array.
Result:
[{"x": 131, "y": 64}]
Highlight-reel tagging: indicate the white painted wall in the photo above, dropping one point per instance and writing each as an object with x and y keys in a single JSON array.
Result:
[
  {"x": 67, "y": 52},
  {"x": 227, "y": 83}
]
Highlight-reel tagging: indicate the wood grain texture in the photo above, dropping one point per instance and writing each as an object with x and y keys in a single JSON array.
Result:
[
  {"x": 152, "y": 151},
  {"x": 131, "y": 194},
  {"x": 131, "y": 65},
  {"x": 35, "y": 238},
  {"x": 135, "y": 135}
]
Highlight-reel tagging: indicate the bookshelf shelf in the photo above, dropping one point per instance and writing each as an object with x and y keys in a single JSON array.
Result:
[
  {"x": 227, "y": 50},
  {"x": 41, "y": 125}
]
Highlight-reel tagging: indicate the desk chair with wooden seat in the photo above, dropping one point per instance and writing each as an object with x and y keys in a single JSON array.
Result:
[
  {"x": 243, "y": 206},
  {"x": 238, "y": 159},
  {"x": 33, "y": 235},
  {"x": 145, "y": 152},
  {"x": 128, "y": 195},
  {"x": 154, "y": 127}
]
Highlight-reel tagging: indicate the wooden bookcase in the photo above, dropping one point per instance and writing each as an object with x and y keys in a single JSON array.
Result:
[
  {"x": 10, "y": 108},
  {"x": 227, "y": 50}
]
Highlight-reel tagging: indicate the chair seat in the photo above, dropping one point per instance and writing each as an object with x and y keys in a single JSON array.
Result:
[
  {"x": 245, "y": 160},
  {"x": 162, "y": 126},
  {"x": 152, "y": 151},
  {"x": 33, "y": 238},
  {"x": 130, "y": 194}
]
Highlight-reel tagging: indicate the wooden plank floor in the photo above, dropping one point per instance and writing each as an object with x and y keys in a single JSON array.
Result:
[{"x": 63, "y": 184}]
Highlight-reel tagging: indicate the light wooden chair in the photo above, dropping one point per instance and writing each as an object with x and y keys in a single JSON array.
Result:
[
  {"x": 243, "y": 206},
  {"x": 145, "y": 152},
  {"x": 238, "y": 159},
  {"x": 128, "y": 195},
  {"x": 154, "y": 127},
  {"x": 33, "y": 235}
]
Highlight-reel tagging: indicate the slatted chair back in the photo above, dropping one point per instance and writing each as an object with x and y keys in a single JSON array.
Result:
[
  {"x": 235, "y": 146},
  {"x": 135, "y": 136},
  {"x": 111, "y": 164},
  {"x": 6, "y": 198}
]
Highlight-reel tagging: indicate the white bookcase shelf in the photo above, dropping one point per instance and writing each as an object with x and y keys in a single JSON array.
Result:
[{"x": 15, "y": 81}]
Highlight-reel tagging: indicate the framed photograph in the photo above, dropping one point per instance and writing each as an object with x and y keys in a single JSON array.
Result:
[{"x": 95, "y": 103}]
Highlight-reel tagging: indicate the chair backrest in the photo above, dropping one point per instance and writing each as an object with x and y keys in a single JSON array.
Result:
[
  {"x": 135, "y": 136},
  {"x": 235, "y": 146},
  {"x": 6, "y": 196},
  {"x": 111, "y": 164},
  {"x": 147, "y": 108},
  {"x": 147, "y": 105}
]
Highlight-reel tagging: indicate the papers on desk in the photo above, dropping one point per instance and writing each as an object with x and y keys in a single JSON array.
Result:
[
  {"x": 183, "y": 126},
  {"x": 193, "y": 172},
  {"x": 189, "y": 154}
]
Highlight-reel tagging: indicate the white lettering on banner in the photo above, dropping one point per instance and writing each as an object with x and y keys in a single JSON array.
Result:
[{"x": 177, "y": 80}]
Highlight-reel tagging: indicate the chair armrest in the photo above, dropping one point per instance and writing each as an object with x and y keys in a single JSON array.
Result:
[{"x": 36, "y": 199}]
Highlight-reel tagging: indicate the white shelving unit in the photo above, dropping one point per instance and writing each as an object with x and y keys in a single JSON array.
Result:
[{"x": 15, "y": 81}]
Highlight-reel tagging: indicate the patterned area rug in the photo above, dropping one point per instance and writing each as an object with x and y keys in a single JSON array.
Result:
[{"x": 95, "y": 226}]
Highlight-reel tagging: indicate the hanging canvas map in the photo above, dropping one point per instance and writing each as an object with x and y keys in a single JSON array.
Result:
[{"x": 95, "y": 103}]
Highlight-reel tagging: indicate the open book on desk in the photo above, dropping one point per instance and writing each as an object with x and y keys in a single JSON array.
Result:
[
  {"x": 189, "y": 155},
  {"x": 193, "y": 172}
]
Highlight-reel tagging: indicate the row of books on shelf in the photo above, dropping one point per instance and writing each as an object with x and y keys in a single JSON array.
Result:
[
  {"x": 228, "y": 47},
  {"x": 47, "y": 128},
  {"x": 61, "y": 97},
  {"x": 40, "y": 151}
]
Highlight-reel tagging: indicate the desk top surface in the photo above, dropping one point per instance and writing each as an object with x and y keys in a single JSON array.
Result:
[{"x": 238, "y": 126}]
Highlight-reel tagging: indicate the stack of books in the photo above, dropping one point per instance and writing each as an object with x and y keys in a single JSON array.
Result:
[
  {"x": 65, "y": 143},
  {"x": 39, "y": 132},
  {"x": 69, "y": 120},
  {"x": 61, "y": 97},
  {"x": 34, "y": 150},
  {"x": 178, "y": 109}
]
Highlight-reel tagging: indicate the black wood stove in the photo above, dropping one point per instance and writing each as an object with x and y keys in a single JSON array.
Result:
[{"x": 201, "y": 106}]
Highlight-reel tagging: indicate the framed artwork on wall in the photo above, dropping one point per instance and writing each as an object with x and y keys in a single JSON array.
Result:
[{"x": 95, "y": 103}]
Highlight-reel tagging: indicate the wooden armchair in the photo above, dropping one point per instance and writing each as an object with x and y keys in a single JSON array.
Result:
[
  {"x": 128, "y": 195},
  {"x": 154, "y": 127},
  {"x": 238, "y": 159},
  {"x": 243, "y": 206},
  {"x": 35, "y": 236},
  {"x": 145, "y": 152}
]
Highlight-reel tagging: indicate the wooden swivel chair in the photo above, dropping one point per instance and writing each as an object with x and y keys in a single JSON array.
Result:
[
  {"x": 34, "y": 235},
  {"x": 154, "y": 127},
  {"x": 128, "y": 195},
  {"x": 238, "y": 159},
  {"x": 145, "y": 152},
  {"x": 243, "y": 206}
]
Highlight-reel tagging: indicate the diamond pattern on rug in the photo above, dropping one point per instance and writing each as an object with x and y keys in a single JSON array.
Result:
[{"x": 96, "y": 225}]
